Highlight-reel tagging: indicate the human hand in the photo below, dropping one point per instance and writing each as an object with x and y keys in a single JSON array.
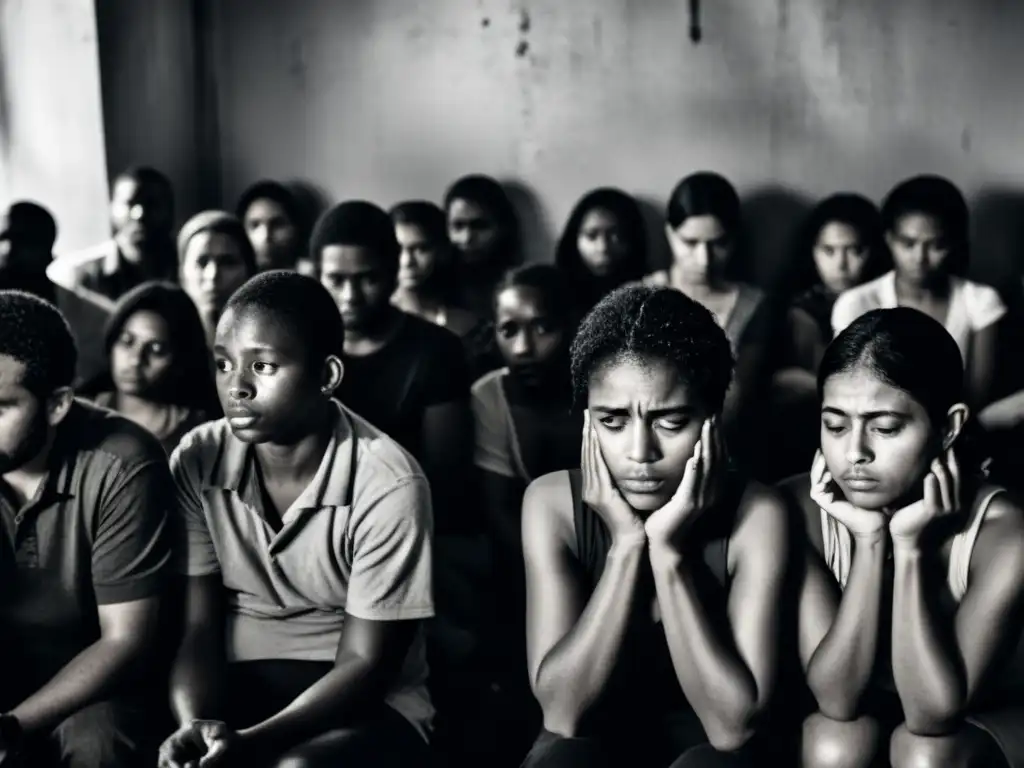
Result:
[
  {"x": 699, "y": 489},
  {"x": 198, "y": 744},
  {"x": 861, "y": 523},
  {"x": 599, "y": 491},
  {"x": 941, "y": 499}
]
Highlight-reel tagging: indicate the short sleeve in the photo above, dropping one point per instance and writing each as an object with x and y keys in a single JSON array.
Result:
[
  {"x": 492, "y": 442},
  {"x": 131, "y": 551},
  {"x": 984, "y": 306},
  {"x": 392, "y": 554},
  {"x": 445, "y": 358},
  {"x": 194, "y": 552}
]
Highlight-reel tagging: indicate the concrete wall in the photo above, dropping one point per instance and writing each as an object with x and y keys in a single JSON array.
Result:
[
  {"x": 51, "y": 121},
  {"x": 792, "y": 99}
]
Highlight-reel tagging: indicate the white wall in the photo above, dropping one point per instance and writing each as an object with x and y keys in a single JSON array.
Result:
[
  {"x": 792, "y": 99},
  {"x": 51, "y": 121}
]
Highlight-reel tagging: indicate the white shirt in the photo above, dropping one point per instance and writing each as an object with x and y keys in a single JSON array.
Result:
[{"x": 972, "y": 306}]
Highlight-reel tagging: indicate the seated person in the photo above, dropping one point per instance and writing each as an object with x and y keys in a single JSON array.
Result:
[
  {"x": 27, "y": 235},
  {"x": 307, "y": 545},
  {"x": 406, "y": 375},
  {"x": 654, "y": 573},
  {"x": 603, "y": 246},
  {"x": 910, "y": 613},
  {"x": 142, "y": 249},
  {"x": 83, "y": 558},
  {"x": 160, "y": 375},
  {"x": 703, "y": 223},
  {"x": 525, "y": 427},
  {"x": 926, "y": 225},
  {"x": 214, "y": 258},
  {"x": 428, "y": 284},
  {"x": 274, "y": 221}
]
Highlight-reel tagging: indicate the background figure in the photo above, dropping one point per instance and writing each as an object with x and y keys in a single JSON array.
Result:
[
  {"x": 428, "y": 281},
  {"x": 141, "y": 249},
  {"x": 484, "y": 228},
  {"x": 704, "y": 226},
  {"x": 215, "y": 257},
  {"x": 27, "y": 235},
  {"x": 276, "y": 227},
  {"x": 926, "y": 228},
  {"x": 525, "y": 427},
  {"x": 603, "y": 245},
  {"x": 161, "y": 371},
  {"x": 840, "y": 246}
]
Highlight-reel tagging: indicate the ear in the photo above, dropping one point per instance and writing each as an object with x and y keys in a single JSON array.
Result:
[
  {"x": 58, "y": 404},
  {"x": 956, "y": 417},
  {"x": 334, "y": 372}
]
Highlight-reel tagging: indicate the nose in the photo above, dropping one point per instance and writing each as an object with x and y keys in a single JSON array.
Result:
[
  {"x": 405, "y": 260},
  {"x": 136, "y": 212},
  {"x": 210, "y": 274},
  {"x": 642, "y": 447},
  {"x": 239, "y": 387},
  {"x": 259, "y": 235},
  {"x": 857, "y": 447},
  {"x": 522, "y": 345},
  {"x": 347, "y": 292}
]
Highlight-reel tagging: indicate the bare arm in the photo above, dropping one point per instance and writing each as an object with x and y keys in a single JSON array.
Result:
[
  {"x": 369, "y": 659},
  {"x": 941, "y": 661},
  {"x": 728, "y": 669},
  {"x": 982, "y": 368},
  {"x": 127, "y": 633},
  {"x": 197, "y": 676},
  {"x": 1007, "y": 413},
  {"x": 839, "y": 631},
  {"x": 573, "y": 640}
]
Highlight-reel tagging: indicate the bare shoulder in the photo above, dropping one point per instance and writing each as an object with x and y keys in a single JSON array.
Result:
[
  {"x": 1000, "y": 543},
  {"x": 762, "y": 520},
  {"x": 548, "y": 505}
]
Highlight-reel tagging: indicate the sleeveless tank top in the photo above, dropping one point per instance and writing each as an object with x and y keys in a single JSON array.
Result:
[
  {"x": 838, "y": 550},
  {"x": 645, "y": 684}
]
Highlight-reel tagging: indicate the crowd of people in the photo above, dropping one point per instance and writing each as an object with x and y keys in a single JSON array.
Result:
[{"x": 382, "y": 489}]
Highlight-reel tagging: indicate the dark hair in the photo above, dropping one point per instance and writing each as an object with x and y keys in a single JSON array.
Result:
[
  {"x": 642, "y": 321},
  {"x": 627, "y": 213},
  {"x": 357, "y": 223},
  {"x": 194, "y": 384},
  {"x": 35, "y": 333},
  {"x": 144, "y": 175},
  {"x": 547, "y": 280},
  {"x": 30, "y": 223},
  {"x": 489, "y": 194},
  {"x": 705, "y": 194},
  {"x": 300, "y": 302},
  {"x": 847, "y": 208},
  {"x": 936, "y": 197},
  {"x": 275, "y": 192},
  {"x": 220, "y": 222},
  {"x": 906, "y": 349}
]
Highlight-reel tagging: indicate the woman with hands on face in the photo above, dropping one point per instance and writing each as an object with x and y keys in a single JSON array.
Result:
[
  {"x": 653, "y": 572},
  {"x": 910, "y": 612}
]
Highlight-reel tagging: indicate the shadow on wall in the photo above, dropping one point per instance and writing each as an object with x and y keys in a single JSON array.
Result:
[
  {"x": 312, "y": 200},
  {"x": 772, "y": 216},
  {"x": 535, "y": 235},
  {"x": 997, "y": 238},
  {"x": 659, "y": 254}
]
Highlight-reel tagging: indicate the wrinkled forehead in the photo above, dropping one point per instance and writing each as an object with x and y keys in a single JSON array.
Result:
[{"x": 629, "y": 380}]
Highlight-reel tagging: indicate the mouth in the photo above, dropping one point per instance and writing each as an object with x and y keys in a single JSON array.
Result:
[
  {"x": 241, "y": 418},
  {"x": 860, "y": 483},
  {"x": 641, "y": 485}
]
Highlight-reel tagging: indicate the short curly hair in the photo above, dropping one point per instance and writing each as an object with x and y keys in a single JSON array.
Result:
[
  {"x": 648, "y": 322},
  {"x": 301, "y": 303},
  {"x": 35, "y": 333}
]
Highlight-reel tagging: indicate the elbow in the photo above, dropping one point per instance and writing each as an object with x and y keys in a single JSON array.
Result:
[
  {"x": 730, "y": 737},
  {"x": 936, "y": 719}
]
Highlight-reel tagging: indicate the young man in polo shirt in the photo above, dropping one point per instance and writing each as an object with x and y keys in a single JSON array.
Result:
[
  {"x": 83, "y": 556},
  {"x": 307, "y": 543}
]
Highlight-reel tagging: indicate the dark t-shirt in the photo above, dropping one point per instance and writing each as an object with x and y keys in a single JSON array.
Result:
[
  {"x": 94, "y": 534},
  {"x": 422, "y": 366}
]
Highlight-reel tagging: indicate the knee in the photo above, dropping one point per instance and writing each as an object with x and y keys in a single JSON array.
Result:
[
  {"x": 908, "y": 750},
  {"x": 95, "y": 737},
  {"x": 828, "y": 743}
]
